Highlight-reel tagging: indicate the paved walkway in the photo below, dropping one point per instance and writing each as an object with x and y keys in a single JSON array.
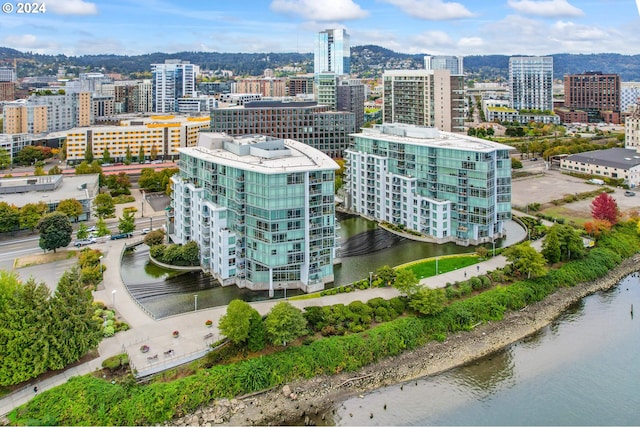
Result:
[{"x": 194, "y": 336}]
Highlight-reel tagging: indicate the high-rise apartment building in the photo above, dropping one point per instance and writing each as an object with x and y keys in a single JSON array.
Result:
[
  {"x": 531, "y": 82},
  {"x": 424, "y": 98},
  {"x": 332, "y": 52},
  {"x": 300, "y": 85},
  {"x": 593, "y": 92},
  {"x": 7, "y": 74},
  {"x": 266, "y": 86},
  {"x": 315, "y": 125},
  {"x": 260, "y": 208},
  {"x": 443, "y": 62},
  {"x": 632, "y": 129},
  {"x": 7, "y": 91},
  {"x": 451, "y": 187},
  {"x": 342, "y": 93},
  {"x": 172, "y": 80},
  {"x": 629, "y": 95}
]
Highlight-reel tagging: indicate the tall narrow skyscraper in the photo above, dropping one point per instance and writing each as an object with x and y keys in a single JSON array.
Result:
[
  {"x": 333, "y": 52},
  {"x": 172, "y": 80},
  {"x": 444, "y": 62},
  {"x": 530, "y": 82}
]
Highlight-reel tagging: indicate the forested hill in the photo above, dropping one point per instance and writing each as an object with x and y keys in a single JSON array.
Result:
[{"x": 366, "y": 61}]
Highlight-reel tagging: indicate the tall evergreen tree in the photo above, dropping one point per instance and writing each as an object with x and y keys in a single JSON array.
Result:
[
  {"x": 128, "y": 157},
  {"x": 551, "y": 246},
  {"x": 88, "y": 152},
  {"x": 55, "y": 231},
  {"x": 73, "y": 332}
]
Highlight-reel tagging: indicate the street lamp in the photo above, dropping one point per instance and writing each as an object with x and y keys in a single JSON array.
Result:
[
  {"x": 100, "y": 262},
  {"x": 142, "y": 206},
  {"x": 195, "y": 303},
  {"x": 370, "y": 278},
  {"x": 113, "y": 296}
]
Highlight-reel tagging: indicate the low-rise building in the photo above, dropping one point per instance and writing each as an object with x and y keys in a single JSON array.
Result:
[{"x": 615, "y": 163}]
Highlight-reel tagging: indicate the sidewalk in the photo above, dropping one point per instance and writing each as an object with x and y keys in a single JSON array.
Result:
[{"x": 195, "y": 337}]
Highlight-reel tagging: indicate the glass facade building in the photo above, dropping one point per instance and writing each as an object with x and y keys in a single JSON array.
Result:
[
  {"x": 332, "y": 52},
  {"x": 451, "y": 187},
  {"x": 260, "y": 208},
  {"x": 531, "y": 82}
]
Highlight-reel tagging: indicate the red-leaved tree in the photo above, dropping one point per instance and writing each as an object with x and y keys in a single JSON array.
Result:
[{"x": 604, "y": 207}]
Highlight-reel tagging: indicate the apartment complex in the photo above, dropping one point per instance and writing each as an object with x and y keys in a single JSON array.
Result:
[
  {"x": 424, "y": 98},
  {"x": 444, "y": 62},
  {"x": 451, "y": 187},
  {"x": 163, "y": 135},
  {"x": 342, "y": 93},
  {"x": 260, "y": 208},
  {"x": 48, "y": 113},
  {"x": 332, "y": 52},
  {"x": 629, "y": 95},
  {"x": 315, "y": 125},
  {"x": 632, "y": 129},
  {"x": 531, "y": 82},
  {"x": 266, "y": 86},
  {"x": 300, "y": 85},
  {"x": 593, "y": 92},
  {"x": 172, "y": 80}
]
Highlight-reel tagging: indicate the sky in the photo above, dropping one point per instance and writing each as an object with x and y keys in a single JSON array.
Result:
[{"x": 440, "y": 27}]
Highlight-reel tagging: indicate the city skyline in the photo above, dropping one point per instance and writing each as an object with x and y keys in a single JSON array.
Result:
[{"x": 437, "y": 27}]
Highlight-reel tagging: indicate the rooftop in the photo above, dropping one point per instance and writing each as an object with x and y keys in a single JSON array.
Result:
[
  {"x": 429, "y": 136},
  {"x": 621, "y": 158},
  {"x": 259, "y": 153},
  {"x": 70, "y": 187}
]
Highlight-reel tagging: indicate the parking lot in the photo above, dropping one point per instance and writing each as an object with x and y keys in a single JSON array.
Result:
[{"x": 553, "y": 185}]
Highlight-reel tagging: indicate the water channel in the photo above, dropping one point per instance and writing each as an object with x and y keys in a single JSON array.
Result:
[
  {"x": 365, "y": 248},
  {"x": 580, "y": 370}
]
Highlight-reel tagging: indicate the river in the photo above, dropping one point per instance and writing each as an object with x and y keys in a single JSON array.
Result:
[{"x": 582, "y": 369}]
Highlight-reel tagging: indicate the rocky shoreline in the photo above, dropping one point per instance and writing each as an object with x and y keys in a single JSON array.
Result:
[{"x": 311, "y": 401}]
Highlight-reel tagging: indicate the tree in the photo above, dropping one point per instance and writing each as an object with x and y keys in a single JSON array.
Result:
[
  {"x": 105, "y": 208},
  {"x": 55, "y": 170},
  {"x": 141, "y": 154},
  {"x": 235, "y": 323},
  {"x": 571, "y": 245},
  {"x": 71, "y": 207},
  {"x": 126, "y": 223},
  {"x": 526, "y": 259},
  {"x": 128, "y": 157},
  {"x": 73, "y": 332},
  {"x": 106, "y": 156},
  {"x": 31, "y": 154},
  {"x": 39, "y": 171},
  {"x": 597, "y": 228},
  {"x": 284, "y": 323},
  {"x": 55, "y": 231},
  {"x": 88, "y": 153},
  {"x": 387, "y": 274},
  {"x": 31, "y": 213},
  {"x": 119, "y": 184},
  {"x": 482, "y": 252},
  {"x": 406, "y": 282},
  {"x": 153, "y": 154},
  {"x": 551, "y": 246},
  {"x": 101, "y": 228},
  {"x": 9, "y": 217},
  {"x": 428, "y": 301},
  {"x": 155, "y": 237},
  {"x": 5, "y": 159},
  {"x": 83, "y": 231},
  {"x": 190, "y": 253},
  {"x": 516, "y": 164},
  {"x": 605, "y": 207}
]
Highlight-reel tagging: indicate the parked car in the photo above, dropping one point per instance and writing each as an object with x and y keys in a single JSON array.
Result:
[
  {"x": 629, "y": 193},
  {"x": 92, "y": 229},
  {"x": 146, "y": 230},
  {"x": 535, "y": 159},
  {"x": 84, "y": 242},
  {"x": 120, "y": 236}
]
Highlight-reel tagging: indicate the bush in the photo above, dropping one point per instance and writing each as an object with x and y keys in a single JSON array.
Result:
[{"x": 114, "y": 362}]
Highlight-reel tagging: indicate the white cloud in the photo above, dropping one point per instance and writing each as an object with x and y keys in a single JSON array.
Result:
[
  {"x": 546, "y": 8},
  {"x": 431, "y": 10},
  {"x": 29, "y": 42},
  {"x": 325, "y": 10},
  {"x": 71, "y": 7},
  {"x": 469, "y": 43},
  {"x": 572, "y": 32}
]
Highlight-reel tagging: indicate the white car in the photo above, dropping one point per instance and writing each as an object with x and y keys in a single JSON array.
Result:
[
  {"x": 145, "y": 230},
  {"x": 84, "y": 242}
]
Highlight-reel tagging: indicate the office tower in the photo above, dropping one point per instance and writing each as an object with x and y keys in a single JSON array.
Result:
[
  {"x": 332, "y": 52},
  {"x": 260, "y": 208},
  {"x": 452, "y": 187},
  {"x": 442, "y": 62},
  {"x": 172, "y": 80},
  {"x": 315, "y": 125},
  {"x": 424, "y": 98},
  {"x": 530, "y": 82},
  {"x": 594, "y": 92}
]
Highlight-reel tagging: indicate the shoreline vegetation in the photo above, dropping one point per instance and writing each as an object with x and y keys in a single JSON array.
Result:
[{"x": 307, "y": 380}]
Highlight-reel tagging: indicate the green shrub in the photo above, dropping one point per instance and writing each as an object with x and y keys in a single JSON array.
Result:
[{"x": 115, "y": 362}]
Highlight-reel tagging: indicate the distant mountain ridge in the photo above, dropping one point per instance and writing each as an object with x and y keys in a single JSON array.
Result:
[{"x": 366, "y": 61}]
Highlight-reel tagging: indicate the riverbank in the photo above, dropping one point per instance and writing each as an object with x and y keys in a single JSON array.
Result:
[{"x": 312, "y": 400}]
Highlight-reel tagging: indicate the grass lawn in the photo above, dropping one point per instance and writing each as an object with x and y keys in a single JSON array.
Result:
[
  {"x": 427, "y": 268},
  {"x": 30, "y": 260},
  {"x": 578, "y": 217}
]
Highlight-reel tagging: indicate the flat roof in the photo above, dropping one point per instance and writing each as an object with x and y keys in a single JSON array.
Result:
[
  {"x": 69, "y": 189},
  {"x": 300, "y": 157},
  {"x": 620, "y": 158},
  {"x": 430, "y": 137}
]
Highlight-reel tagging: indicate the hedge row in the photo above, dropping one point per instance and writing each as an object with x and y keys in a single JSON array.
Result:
[{"x": 92, "y": 401}]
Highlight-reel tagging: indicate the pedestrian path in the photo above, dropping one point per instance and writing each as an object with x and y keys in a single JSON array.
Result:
[{"x": 194, "y": 336}]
